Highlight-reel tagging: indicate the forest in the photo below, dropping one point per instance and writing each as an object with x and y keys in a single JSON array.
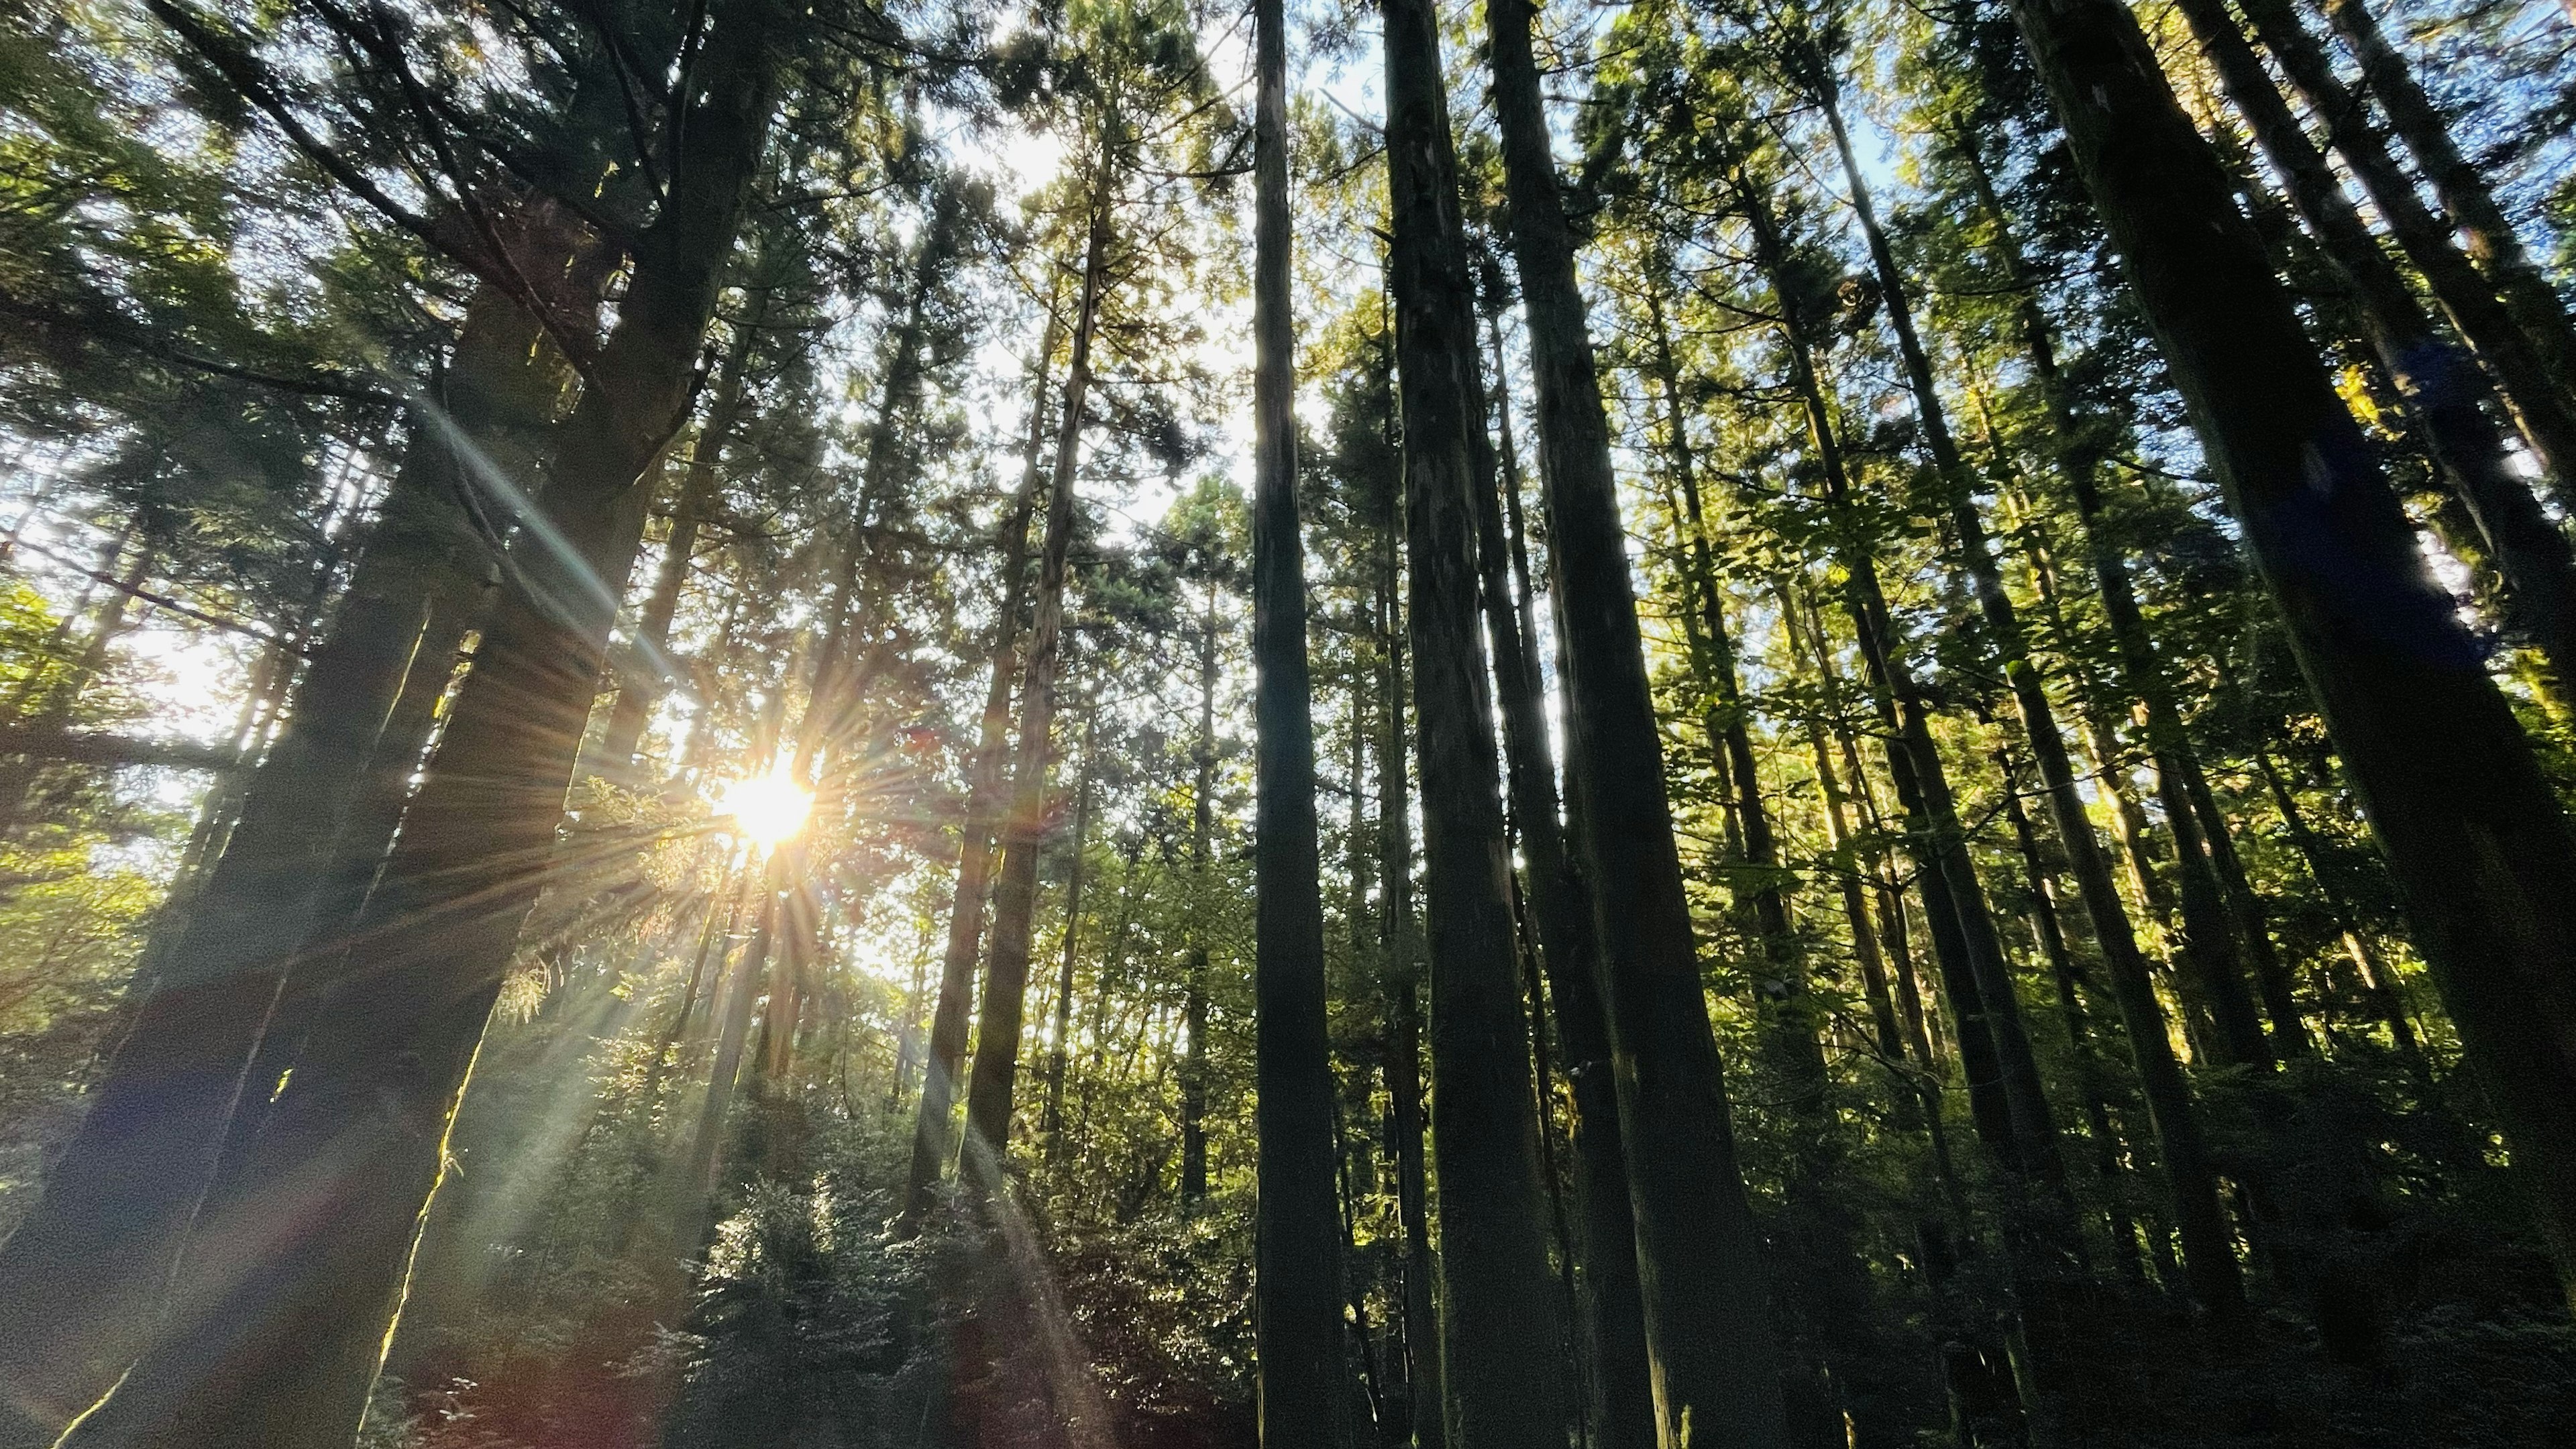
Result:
[{"x": 1157, "y": 724}]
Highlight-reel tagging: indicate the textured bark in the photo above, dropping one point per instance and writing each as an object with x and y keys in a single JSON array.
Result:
[
  {"x": 295, "y": 1269},
  {"x": 1305, "y": 1383},
  {"x": 1501, "y": 1350},
  {"x": 2472, "y": 830},
  {"x": 1708, "y": 1328}
]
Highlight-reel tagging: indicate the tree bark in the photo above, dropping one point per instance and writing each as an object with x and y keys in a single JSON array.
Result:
[
  {"x": 2471, "y": 828},
  {"x": 996, "y": 1066},
  {"x": 83, "y": 1277},
  {"x": 1610, "y": 1313},
  {"x": 1305, "y": 1385},
  {"x": 1501, "y": 1349},
  {"x": 1709, "y": 1334},
  {"x": 294, "y": 1271},
  {"x": 1426, "y": 1394}
]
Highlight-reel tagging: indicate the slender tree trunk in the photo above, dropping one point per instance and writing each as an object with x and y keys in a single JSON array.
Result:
[
  {"x": 2542, "y": 402},
  {"x": 295, "y": 1269},
  {"x": 694, "y": 1186},
  {"x": 996, "y": 1066},
  {"x": 2448, "y": 395},
  {"x": 637, "y": 696},
  {"x": 1194, "y": 995},
  {"x": 1609, "y": 1309},
  {"x": 2051, "y": 936},
  {"x": 1977, "y": 975},
  {"x": 1305, "y": 1381},
  {"x": 2482, "y": 225},
  {"x": 83, "y": 1277},
  {"x": 1061, "y": 1043},
  {"x": 2472, "y": 830},
  {"x": 1708, "y": 1326},
  {"x": 1427, "y": 1396},
  {"x": 1501, "y": 1349},
  {"x": 944, "y": 1068},
  {"x": 2210, "y": 1254}
]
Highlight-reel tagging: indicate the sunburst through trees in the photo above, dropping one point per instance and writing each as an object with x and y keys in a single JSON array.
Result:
[{"x": 1134, "y": 722}]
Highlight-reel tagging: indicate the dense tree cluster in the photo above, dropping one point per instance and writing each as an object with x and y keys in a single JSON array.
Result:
[{"x": 1781, "y": 723}]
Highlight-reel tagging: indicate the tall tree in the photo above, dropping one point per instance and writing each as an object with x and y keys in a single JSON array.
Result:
[
  {"x": 2471, "y": 828},
  {"x": 1500, "y": 1346},
  {"x": 1708, "y": 1329},
  {"x": 1305, "y": 1386},
  {"x": 279, "y": 1313}
]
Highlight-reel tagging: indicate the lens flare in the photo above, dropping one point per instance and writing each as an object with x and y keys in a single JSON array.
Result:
[{"x": 768, "y": 809}]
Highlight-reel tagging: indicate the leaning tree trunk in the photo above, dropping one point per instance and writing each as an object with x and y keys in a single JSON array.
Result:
[
  {"x": 2209, "y": 1250},
  {"x": 2471, "y": 828},
  {"x": 944, "y": 1069},
  {"x": 636, "y": 696},
  {"x": 2541, "y": 399},
  {"x": 293, "y": 1275},
  {"x": 996, "y": 1067},
  {"x": 1708, "y": 1325},
  {"x": 1304, "y": 1370},
  {"x": 2448, "y": 396},
  {"x": 2484, "y": 229},
  {"x": 82, "y": 1278}
]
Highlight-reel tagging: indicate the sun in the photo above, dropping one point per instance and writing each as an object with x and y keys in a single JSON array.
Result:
[{"x": 768, "y": 809}]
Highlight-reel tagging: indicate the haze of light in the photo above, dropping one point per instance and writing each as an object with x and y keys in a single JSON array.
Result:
[{"x": 767, "y": 809}]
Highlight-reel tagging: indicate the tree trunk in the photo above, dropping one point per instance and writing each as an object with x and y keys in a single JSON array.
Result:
[
  {"x": 2541, "y": 401},
  {"x": 1609, "y": 1310},
  {"x": 1194, "y": 995},
  {"x": 1708, "y": 1326},
  {"x": 2050, "y": 933},
  {"x": 996, "y": 1066},
  {"x": 2448, "y": 395},
  {"x": 1500, "y": 1343},
  {"x": 636, "y": 696},
  {"x": 2472, "y": 830},
  {"x": 82, "y": 1278},
  {"x": 1426, "y": 1395},
  {"x": 944, "y": 1069},
  {"x": 294, "y": 1270},
  {"x": 2482, "y": 225},
  {"x": 1305, "y": 1384},
  {"x": 2210, "y": 1254},
  {"x": 1061, "y": 1043}
]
